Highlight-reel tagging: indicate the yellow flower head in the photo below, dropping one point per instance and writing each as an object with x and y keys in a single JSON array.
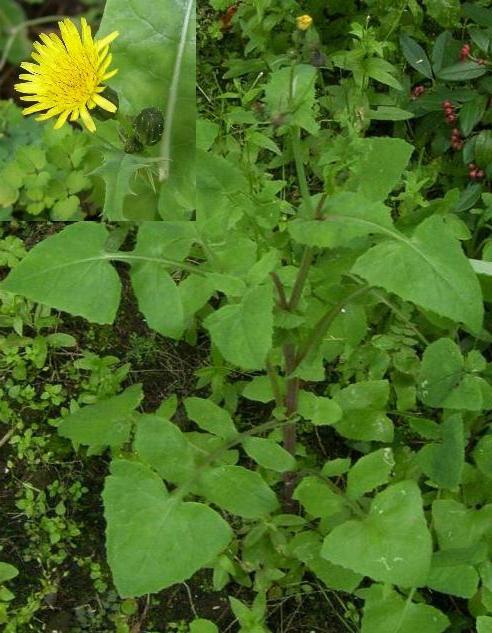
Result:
[
  {"x": 66, "y": 79},
  {"x": 303, "y": 22}
]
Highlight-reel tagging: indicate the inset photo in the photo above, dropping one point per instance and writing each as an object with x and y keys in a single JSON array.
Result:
[{"x": 97, "y": 110}]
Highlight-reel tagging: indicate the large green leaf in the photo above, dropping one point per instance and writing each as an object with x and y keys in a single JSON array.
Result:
[
  {"x": 392, "y": 544},
  {"x": 346, "y": 216},
  {"x": 155, "y": 55},
  {"x": 243, "y": 331},
  {"x": 386, "y": 611},
  {"x": 159, "y": 297},
  {"x": 162, "y": 445},
  {"x": 70, "y": 271},
  {"x": 155, "y": 540},
  {"x": 239, "y": 491},
  {"x": 443, "y": 380},
  {"x": 443, "y": 463},
  {"x": 429, "y": 269},
  {"x": 106, "y": 423},
  {"x": 378, "y": 166}
]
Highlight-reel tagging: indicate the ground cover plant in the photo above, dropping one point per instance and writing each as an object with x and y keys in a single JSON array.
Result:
[{"x": 334, "y": 447}]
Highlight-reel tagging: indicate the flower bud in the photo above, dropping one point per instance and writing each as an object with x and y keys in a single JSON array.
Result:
[
  {"x": 133, "y": 145},
  {"x": 304, "y": 22},
  {"x": 149, "y": 126}
]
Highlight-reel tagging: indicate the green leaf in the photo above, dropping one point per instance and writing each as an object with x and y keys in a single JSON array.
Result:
[
  {"x": 459, "y": 527},
  {"x": 259, "y": 389},
  {"x": 416, "y": 56},
  {"x": 382, "y": 71},
  {"x": 386, "y": 611},
  {"x": 210, "y": 417},
  {"x": 203, "y": 626},
  {"x": 70, "y": 271},
  {"x": 346, "y": 216},
  {"x": 290, "y": 91},
  {"x": 159, "y": 298},
  {"x": 443, "y": 463},
  {"x": 156, "y": 58},
  {"x": 269, "y": 454},
  {"x": 154, "y": 540},
  {"x": 319, "y": 410},
  {"x": 306, "y": 546},
  {"x": 370, "y": 472},
  {"x": 445, "y": 12},
  {"x": 429, "y": 269},
  {"x": 162, "y": 445},
  {"x": 390, "y": 113},
  {"x": 471, "y": 112},
  {"x": 480, "y": 15},
  {"x": 378, "y": 166},
  {"x": 483, "y": 148},
  {"x": 484, "y": 624},
  {"x": 238, "y": 491},
  {"x": 443, "y": 380},
  {"x": 391, "y": 545},
  {"x": 454, "y": 580},
  {"x": 7, "y": 572},
  {"x": 317, "y": 498},
  {"x": 364, "y": 417},
  {"x": 243, "y": 331},
  {"x": 462, "y": 71},
  {"x": 482, "y": 455},
  {"x": 118, "y": 171},
  {"x": 106, "y": 423}
]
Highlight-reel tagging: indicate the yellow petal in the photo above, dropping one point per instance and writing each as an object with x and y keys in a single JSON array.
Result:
[
  {"x": 109, "y": 75},
  {"x": 61, "y": 119},
  {"x": 104, "y": 103},
  {"x": 87, "y": 119},
  {"x": 106, "y": 40}
]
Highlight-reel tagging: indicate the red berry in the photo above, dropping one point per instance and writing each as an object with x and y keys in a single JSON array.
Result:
[
  {"x": 456, "y": 132},
  {"x": 447, "y": 104},
  {"x": 480, "y": 173},
  {"x": 451, "y": 118},
  {"x": 472, "y": 166},
  {"x": 465, "y": 52}
]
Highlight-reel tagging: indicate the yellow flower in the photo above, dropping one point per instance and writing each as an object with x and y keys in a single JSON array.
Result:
[
  {"x": 66, "y": 80},
  {"x": 304, "y": 22}
]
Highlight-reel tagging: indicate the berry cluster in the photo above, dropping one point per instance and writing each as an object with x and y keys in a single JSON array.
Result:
[
  {"x": 449, "y": 112},
  {"x": 456, "y": 140},
  {"x": 474, "y": 172},
  {"x": 465, "y": 52},
  {"x": 417, "y": 92}
]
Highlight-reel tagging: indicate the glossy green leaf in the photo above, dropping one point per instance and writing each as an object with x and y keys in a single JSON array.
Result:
[
  {"x": 364, "y": 417},
  {"x": 482, "y": 454},
  {"x": 153, "y": 539},
  {"x": 392, "y": 544},
  {"x": 484, "y": 624},
  {"x": 70, "y": 271},
  {"x": 429, "y": 269},
  {"x": 416, "y": 56},
  {"x": 454, "y": 580},
  {"x": 462, "y": 71}
]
